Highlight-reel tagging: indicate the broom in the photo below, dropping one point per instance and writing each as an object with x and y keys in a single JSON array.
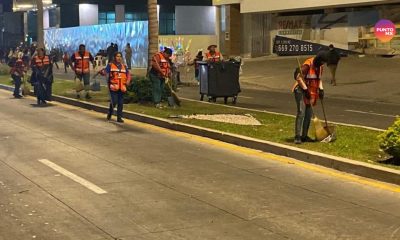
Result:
[
  {"x": 173, "y": 93},
  {"x": 320, "y": 131}
]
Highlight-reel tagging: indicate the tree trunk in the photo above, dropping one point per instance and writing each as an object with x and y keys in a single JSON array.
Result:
[
  {"x": 40, "y": 32},
  {"x": 153, "y": 29}
]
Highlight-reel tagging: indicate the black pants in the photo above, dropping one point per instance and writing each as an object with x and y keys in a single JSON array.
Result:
[
  {"x": 17, "y": 83},
  {"x": 116, "y": 99}
]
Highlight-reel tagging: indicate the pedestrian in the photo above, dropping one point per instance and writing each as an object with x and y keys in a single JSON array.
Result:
[
  {"x": 160, "y": 71},
  {"x": 195, "y": 62},
  {"x": 110, "y": 52},
  {"x": 54, "y": 58},
  {"x": 118, "y": 80},
  {"x": 213, "y": 55},
  {"x": 17, "y": 72},
  {"x": 128, "y": 55},
  {"x": 80, "y": 63},
  {"x": 332, "y": 58},
  {"x": 307, "y": 90},
  {"x": 42, "y": 76},
  {"x": 66, "y": 61},
  {"x": 26, "y": 57}
]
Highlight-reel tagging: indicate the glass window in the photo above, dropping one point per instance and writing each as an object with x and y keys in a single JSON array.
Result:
[
  {"x": 129, "y": 17},
  {"x": 106, "y": 17}
]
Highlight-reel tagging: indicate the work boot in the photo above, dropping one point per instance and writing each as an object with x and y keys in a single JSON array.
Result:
[
  {"x": 297, "y": 139},
  {"x": 109, "y": 116},
  {"x": 78, "y": 96},
  {"x": 120, "y": 120},
  {"x": 88, "y": 96},
  {"x": 307, "y": 139}
]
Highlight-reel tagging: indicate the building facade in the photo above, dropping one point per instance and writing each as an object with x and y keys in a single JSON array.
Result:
[{"x": 348, "y": 24}]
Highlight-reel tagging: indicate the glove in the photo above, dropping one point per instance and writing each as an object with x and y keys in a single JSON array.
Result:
[
  {"x": 321, "y": 94},
  {"x": 307, "y": 94}
]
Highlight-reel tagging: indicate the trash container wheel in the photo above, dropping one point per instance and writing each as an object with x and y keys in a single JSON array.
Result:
[{"x": 234, "y": 100}]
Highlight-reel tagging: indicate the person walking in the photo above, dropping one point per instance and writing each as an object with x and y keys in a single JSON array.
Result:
[
  {"x": 80, "y": 63},
  {"x": 128, "y": 56},
  {"x": 332, "y": 58},
  {"x": 307, "y": 90},
  {"x": 66, "y": 61},
  {"x": 42, "y": 76},
  {"x": 160, "y": 71},
  {"x": 198, "y": 58},
  {"x": 17, "y": 72},
  {"x": 110, "y": 52},
  {"x": 118, "y": 80},
  {"x": 213, "y": 55}
]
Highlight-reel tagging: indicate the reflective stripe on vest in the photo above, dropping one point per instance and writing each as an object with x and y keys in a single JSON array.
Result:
[
  {"x": 164, "y": 65},
  {"x": 38, "y": 62},
  {"x": 118, "y": 78},
  {"x": 214, "y": 58},
  {"x": 312, "y": 73},
  {"x": 82, "y": 65}
]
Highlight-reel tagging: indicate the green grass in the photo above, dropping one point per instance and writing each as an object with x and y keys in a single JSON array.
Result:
[{"x": 353, "y": 143}]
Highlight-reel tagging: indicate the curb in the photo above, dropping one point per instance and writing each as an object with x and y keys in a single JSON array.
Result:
[{"x": 341, "y": 164}]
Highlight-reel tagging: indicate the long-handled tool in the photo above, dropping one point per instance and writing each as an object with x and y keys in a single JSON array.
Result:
[
  {"x": 330, "y": 129},
  {"x": 173, "y": 93}
]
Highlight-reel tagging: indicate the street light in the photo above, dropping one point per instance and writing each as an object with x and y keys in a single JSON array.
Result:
[{"x": 2, "y": 36}]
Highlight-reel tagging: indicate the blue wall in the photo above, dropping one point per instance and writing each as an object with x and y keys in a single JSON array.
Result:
[{"x": 100, "y": 36}]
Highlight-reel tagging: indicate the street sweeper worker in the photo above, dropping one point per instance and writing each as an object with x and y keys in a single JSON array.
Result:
[
  {"x": 118, "y": 80},
  {"x": 80, "y": 63},
  {"x": 307, "y": 90},
  {"x": 160, "y": 71},
  {"x": 213, "y": 55}
]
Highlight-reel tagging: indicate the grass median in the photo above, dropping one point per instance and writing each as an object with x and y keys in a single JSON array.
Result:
[{"x": 353, "y": 143}]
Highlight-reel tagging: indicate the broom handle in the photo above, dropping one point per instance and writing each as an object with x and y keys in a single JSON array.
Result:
[{"x": 323, "y": 110}]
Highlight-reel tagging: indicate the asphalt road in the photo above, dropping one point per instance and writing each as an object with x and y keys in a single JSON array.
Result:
[
  {"x": 66, "y": 173},
  {"x": 343, "y": 110}
]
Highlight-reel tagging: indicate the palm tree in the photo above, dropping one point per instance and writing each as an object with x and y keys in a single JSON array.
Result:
[
  {"x": 40, "y": 33},
  {"x": 153, "y": 29}
]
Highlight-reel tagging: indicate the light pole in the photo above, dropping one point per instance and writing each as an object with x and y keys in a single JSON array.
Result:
[{"x": 2, "y": 36}]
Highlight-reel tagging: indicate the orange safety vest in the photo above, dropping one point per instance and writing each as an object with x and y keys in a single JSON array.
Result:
[
  {"x": 82, "y": 65},
  {"x": 118, "y": 78},
  {"x": 312, "y": 80},
  {"x": 18, "y": 68},
  {"x": 213, "y": 58},
  {"x": 40, "y": 62},
  {"x": 164, "y": 65}
]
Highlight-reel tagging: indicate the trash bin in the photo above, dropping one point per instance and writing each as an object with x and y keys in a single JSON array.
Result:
[{"x": 220, "y": 79}]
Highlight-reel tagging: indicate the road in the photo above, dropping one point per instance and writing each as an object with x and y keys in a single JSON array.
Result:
[
  {"x": 349, "y": 111},
  {"x": 66, "y": 173}
]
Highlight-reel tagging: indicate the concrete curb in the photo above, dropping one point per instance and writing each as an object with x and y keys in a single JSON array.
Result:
[{"x": 342, "y": 164}]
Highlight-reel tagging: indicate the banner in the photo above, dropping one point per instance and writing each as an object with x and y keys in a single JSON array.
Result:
[{"x": 284, "y": 46}]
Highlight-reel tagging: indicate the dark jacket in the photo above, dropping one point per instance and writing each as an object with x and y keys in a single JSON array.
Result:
[{"x": 332, "y": 57}]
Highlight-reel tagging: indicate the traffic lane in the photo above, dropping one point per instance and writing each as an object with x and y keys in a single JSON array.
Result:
[
  {"x": 29, "y": 212},
  {"x": 186, "y": 178},
  {"x": 349, "y": 111}
]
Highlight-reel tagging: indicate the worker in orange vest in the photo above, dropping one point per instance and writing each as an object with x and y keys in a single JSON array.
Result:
[
  {"x": 42, "y": 76},
  {"x": 80, "y": 63},
  {"x": 118, "y": 80},
  {"x": 17, "y": 72},
  {"x": 307, "y": 90},
  {"x": 159, "y": 73},
  {"x": 213, "y": 55}
]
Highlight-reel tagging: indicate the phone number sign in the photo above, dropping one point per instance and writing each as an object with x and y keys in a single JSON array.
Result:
[{"x": 284, "y": 46}]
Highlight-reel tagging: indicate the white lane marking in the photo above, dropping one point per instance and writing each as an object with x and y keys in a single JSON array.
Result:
[
  {"x": 371, "y": 113},
  {"x": 245, "y": 97},
  {"x": 73, "y": 176}
]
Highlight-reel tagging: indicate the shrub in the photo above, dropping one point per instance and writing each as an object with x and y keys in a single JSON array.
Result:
[
  {"x": 389, "y": 141},
  {"x": 4, "y": 69},
  {"x": 140, "y": 90}
]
